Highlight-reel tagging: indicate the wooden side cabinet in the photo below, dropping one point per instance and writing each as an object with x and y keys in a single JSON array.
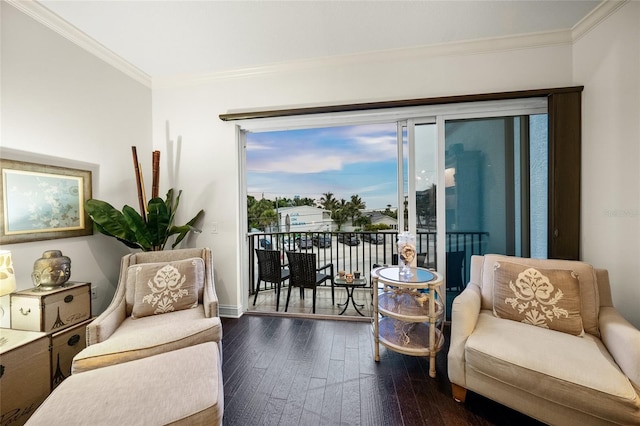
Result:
[
  {"x": 38, "y": 309},
  {"x": 24, "y": 374},
  {"x": 65, "y": 345}
]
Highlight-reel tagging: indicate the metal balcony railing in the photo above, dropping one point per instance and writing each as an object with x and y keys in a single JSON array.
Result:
[{"x": 361, "y": 251}]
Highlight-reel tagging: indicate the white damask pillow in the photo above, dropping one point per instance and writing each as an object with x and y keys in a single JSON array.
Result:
[
  {"x": 548, "y": 298},
  {"x": 165, "y": 287}
]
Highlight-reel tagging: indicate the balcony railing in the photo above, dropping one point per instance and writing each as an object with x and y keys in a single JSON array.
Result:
[{"x": 372, "y": 248}]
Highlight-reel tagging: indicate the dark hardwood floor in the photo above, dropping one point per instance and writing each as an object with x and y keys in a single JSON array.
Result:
[{"x": 293, "y": 371}]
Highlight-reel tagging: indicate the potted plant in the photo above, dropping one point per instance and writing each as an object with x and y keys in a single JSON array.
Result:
[{"x": 148, "y": 233}]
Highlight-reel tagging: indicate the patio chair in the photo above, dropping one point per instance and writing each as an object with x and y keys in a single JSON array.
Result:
[
  {"x": 455, "y": 270},
  {"x": 304, "y": 274},
  {"x": 270, "y": 270}
]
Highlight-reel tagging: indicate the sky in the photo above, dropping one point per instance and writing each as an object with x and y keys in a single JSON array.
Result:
[{"x": 348, "y": 160}]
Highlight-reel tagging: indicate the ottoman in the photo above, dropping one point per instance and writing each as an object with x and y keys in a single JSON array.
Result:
[{"x": 179, "y": 387}]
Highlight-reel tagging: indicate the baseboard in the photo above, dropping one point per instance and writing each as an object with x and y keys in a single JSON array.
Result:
[{"x": 230, "y": 311}]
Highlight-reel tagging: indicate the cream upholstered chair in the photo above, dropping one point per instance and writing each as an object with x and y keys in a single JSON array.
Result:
[
  {"x": 133, "y": 325},
  {"x": 585, "y": 370}
]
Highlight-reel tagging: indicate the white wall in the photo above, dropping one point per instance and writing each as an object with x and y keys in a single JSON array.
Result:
[
  {"x": 209, "y": 152},
  {"x": 605, "y": 60},
  {"x": 58, "y": 100},
  {"x": 607, "y": 63},
  {"x": 61, "y": 105}
]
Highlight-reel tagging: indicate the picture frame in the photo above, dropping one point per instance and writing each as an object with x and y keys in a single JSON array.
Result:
[{"x": 42, "y": 202}]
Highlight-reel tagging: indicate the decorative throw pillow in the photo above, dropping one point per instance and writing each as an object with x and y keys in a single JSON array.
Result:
[
  {"x": 165, "y": 287},
  {"x": 548, "y": 298}
]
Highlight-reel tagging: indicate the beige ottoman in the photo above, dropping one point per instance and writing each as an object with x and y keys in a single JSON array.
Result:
[{"x": 178, "y": 387}]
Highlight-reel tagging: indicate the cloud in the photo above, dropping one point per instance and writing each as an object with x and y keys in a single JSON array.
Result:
[
  {"x": 296, "y": 163},
  {"x": 345, "y": 160},
  {"x": 319, "y": 150}
]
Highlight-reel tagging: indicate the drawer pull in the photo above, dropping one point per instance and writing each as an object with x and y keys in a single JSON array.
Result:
[
  {"x": 25, "y": 313},
  {"x": 73, "y": 340},
  {"x": 68, "y": 299},
  {"x": 1, "y": 370}
]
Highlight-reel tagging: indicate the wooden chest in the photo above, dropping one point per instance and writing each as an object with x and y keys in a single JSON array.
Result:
[
  {"x": 65, "y": 345},
  {"x": 24, "y": 374},
  {"x": 51, "y": 310}
]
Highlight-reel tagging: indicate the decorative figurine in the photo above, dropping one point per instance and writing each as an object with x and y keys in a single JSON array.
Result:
[
  {"x": 406, "y": 254},
  {"x": 51, "y": 270}
]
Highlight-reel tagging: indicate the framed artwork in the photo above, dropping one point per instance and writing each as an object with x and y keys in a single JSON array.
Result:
[{"x": 42, "y": 202}]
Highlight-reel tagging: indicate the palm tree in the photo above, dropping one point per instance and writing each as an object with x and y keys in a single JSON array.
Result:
[
  {"x": 306, "y": 201},
  {"x": 260, "y": 213},
  {"x": 355, "y": 205},
  {"x": 340, "y": 212},
  {"x": 328, "y": 202}
]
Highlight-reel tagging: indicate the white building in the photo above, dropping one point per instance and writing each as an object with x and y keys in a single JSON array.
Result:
[
  {"x": 304, "y": 218},
  {"x": 378, "y": 218}
]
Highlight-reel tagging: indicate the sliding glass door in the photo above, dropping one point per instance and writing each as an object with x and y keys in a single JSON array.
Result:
[{"x": 482, "y": 182}]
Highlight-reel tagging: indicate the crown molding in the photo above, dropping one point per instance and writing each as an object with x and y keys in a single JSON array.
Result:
[
  {"x": 469, "y": 47},
  {"x": 49, "y": 19},
  {"x": 597, "y": 15},
  {"x": 458, "y": 48}
]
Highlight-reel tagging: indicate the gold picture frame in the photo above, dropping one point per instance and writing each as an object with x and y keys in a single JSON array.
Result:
[{"x": 42, "y": 202}]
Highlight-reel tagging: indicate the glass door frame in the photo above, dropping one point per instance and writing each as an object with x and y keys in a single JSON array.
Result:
[
  {"x": 531, "y": 107},
  {"x": 412, "y": 227}
]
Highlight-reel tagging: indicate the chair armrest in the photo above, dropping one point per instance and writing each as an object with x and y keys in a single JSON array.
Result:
[
  {"x": 328, "y": 265},
  {"x": 210, "y": 302},
  {"x": 103, "y": 326},
  {"x": 622, "y": 341},
  {"x": 464, "y": 317}
]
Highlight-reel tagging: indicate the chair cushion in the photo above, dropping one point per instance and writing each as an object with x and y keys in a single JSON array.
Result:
[
  {"x": 140, "y": 338},
  {"x": 178, "y": 387},
  {"x": 548, "y": 298},
  {"x": 573, "y": 371},
  {"x": 165, "y": 287}
]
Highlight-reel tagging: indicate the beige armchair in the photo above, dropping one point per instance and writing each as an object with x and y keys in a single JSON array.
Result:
[
  {"x": 562, "y": 376},
  {"x": 129, "y": 329}
]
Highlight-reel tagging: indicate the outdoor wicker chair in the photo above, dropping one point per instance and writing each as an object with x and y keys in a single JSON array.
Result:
[
  {"x": 304, "y": 274},
  {"x": 270, "y": 270}
]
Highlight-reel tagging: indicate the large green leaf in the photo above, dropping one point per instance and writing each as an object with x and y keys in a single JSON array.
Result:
[
  {"x": 139, "y": 228},
  {"x": 171, "y": 206},
  {"x": 184, "y": 229},
  {"x": 158, "y": 222},
  {"x": 125, "y": 242},
  {"x": 110, "y": 221}
]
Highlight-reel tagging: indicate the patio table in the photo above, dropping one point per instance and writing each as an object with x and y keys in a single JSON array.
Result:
[{"x": 350, "y": 287}]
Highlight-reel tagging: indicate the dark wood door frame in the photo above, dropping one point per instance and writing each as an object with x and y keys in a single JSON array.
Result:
[{"x": 565, "y": 124}]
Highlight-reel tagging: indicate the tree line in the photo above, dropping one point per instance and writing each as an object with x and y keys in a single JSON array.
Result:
[{"x": 263, "y": 213}]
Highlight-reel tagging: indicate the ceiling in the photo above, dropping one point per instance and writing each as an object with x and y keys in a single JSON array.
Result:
[{"x": 168, "y": 38}]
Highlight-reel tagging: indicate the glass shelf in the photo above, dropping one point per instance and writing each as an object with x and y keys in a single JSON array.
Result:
[
  {"x": 409, "y": 338},
  {"x": 407, "y": 307}
]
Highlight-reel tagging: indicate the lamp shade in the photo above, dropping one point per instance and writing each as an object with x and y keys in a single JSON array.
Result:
[{"x": 7, "y": 276}]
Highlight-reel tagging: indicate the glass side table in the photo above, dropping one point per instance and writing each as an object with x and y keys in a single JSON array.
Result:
[
  {"x": 406, "y": 312},
  {"x": 350, "y": 287}
]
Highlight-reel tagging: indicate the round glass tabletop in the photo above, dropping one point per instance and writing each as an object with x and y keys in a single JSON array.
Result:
[{"x": 419, "y": 275}]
